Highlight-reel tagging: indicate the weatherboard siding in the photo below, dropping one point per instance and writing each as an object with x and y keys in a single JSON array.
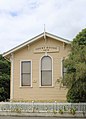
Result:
[{"x": 36, "y": 92}]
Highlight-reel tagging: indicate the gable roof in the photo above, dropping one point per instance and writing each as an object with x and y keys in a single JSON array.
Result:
[{"x": 34, "y": 39}]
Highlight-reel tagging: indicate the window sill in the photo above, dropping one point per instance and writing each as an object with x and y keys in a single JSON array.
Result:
[
  {"x": 46, "y": 86},
  {"x": 25, "y": 87}
]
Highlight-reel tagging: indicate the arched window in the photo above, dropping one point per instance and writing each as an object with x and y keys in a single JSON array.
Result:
[{"x": 46, "y": 71}]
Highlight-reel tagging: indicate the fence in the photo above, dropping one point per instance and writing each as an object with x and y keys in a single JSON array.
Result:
[{"x": 42, "y": 107}]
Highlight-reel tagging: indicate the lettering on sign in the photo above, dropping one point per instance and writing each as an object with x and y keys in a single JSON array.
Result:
[{"x": 46, "y": 49}]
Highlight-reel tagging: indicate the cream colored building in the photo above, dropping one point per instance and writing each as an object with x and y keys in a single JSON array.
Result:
[{"x": 37, "y": 69}]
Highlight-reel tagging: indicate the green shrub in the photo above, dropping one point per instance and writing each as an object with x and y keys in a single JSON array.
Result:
[{"x": 60, "y": 111}]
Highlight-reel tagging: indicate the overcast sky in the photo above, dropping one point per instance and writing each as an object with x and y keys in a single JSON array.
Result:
[{"x": 21, "y": 20}]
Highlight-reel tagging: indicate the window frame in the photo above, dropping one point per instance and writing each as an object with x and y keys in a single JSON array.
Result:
[
  {"x": 40, "y": 80},
  {"x": 63, "y": 70},
  {"x": 21, "y": 73}
]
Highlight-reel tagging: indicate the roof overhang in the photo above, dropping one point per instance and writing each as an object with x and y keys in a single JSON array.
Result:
[{"x": 34, "y": 39}]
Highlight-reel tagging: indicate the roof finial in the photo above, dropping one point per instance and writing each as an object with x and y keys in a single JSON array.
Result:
[
  {"x": 44, "y": 27},
  {"x": 45, "y": 40},
  {"x": 44, "y": 33}
]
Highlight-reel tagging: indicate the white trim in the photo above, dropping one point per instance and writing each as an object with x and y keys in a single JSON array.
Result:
[
  {"x": 52, "y": 70},
  {"x": 40, "y": 71},
  {"x": 58, "y": 38},
  {"x": 62, "y": 67},
  {"x": 22, "y": 45},
  {"x": 34, "y": 39},
  {"x": 12, "y": 77},
  {"x": 20, "y": 73}
]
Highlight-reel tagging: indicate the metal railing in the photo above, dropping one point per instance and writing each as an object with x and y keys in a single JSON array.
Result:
[{"x": 41, "y": 107}]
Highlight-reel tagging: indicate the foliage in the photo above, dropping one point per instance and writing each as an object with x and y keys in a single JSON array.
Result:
[
  {"x": 77, "y": 93},
  {"x": 73, "y": 111},
  {"x": 4, "y": 79},
  {"x": 60, "y": 111},
  {"x": 75, "y": 77},
  {"x": 54, "y": 111}
]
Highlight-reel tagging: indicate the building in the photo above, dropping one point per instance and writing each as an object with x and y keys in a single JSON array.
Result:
[{"x": 37, "y": 68}]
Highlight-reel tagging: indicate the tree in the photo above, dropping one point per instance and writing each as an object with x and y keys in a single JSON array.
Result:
[
  {"x": 75, "y": 77},
  {"x": 4, "y": 79}
]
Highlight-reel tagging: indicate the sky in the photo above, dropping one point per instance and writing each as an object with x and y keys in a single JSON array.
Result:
[{"x": 21, "y": 20}]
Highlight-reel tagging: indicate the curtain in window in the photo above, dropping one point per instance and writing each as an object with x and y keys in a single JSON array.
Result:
[
  {"x": 26, "y": 73},
  {"x": 46, "y": 71}
]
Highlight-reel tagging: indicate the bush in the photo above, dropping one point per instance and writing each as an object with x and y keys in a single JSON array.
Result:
[{"x": 77, "y": 93}]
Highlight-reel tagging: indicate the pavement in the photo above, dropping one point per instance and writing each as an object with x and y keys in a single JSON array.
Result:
[{"x": 16, "y": 117}]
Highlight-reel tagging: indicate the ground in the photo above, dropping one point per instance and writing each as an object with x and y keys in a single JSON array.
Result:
[{"x": 14, "y": 117}]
